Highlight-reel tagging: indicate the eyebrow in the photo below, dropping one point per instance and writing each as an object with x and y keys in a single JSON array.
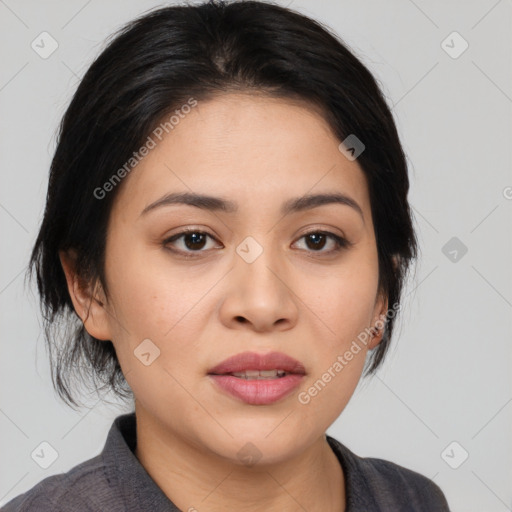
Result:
[{"x": 212, "y": 203}]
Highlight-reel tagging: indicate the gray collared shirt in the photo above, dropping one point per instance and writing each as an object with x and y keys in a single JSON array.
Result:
[{"x": 115, "y": 481}]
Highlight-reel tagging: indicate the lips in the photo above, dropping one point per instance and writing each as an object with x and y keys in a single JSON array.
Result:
[{"x": 254, "y": 361}]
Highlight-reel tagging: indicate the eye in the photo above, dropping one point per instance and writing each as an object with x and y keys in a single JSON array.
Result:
[
  {"x": 317, "y": 240},
  {"x": 193, "y": 240}
]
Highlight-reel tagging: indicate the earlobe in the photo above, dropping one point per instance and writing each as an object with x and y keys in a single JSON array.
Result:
[
  {"x": 396, "y": 261},
  {"x": 379, "y": 322},
  {"x": 88, "y": 300},
  {"x": 376, "y": 337},
  {"x": 381, "y": 306}
]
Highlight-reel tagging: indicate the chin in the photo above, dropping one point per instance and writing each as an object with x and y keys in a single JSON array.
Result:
[{"x": 257, "y": 445}]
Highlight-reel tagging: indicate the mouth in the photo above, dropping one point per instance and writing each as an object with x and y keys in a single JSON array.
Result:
[
  {"x": 257, "y": 374},
  {"x": 254, "y": 366},
  {"x": 258, "y": 379}
]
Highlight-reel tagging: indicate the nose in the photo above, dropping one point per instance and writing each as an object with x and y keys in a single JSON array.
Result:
[{"x": 260, "y": 295}]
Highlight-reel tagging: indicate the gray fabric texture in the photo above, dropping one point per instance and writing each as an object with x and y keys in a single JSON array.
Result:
[{"x": 115, "y": 481}]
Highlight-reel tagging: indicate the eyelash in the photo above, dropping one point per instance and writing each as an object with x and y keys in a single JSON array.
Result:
[{"x": 342, "y": 243}]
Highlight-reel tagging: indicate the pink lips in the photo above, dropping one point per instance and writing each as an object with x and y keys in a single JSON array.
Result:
[
  {"x": 258, "y": 392},
  {"x": 254, "y": 361}
]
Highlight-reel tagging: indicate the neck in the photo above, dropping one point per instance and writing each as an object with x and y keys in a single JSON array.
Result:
[{"x": 195, "y": 480}]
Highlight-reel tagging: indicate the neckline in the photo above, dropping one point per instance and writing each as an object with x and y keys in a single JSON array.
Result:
[{"x": 124, "y": 470}]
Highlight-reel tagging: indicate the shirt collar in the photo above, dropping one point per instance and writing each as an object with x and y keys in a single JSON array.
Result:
[
  {"x": 126, "y": 473},
  {"x": 358, "y": 494},
  {"x": 140, "y": 491}
]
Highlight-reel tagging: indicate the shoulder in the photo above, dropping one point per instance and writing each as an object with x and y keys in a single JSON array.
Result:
[
  {"x": 388, "y": 486},
  {"x": 414, "y": 489},
  {"x": 64, "y": 491}
]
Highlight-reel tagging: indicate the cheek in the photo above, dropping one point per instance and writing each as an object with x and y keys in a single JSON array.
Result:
[
  {"x": 345, "y": 299},
  {"x": 345, "y": 308},
  {"x": 160, "y": 302},
  {"x": 150, "y": 297},
  {"x": 152, "y": 303}
]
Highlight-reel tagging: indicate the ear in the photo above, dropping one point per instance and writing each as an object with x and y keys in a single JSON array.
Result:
[
  {"x": 89, "y": 301},
  {"x": 379, "y": 321},
  {"x": 380, "y": 312}
]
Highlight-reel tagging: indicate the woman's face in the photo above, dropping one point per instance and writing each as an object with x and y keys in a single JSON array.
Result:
[{"x": 255, "y": 282}]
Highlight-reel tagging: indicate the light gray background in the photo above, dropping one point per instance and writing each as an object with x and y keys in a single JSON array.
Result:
[{"x": 447, "y": 377}]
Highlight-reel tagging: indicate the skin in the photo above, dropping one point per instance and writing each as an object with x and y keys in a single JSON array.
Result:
[{"x": 308, "y": 302}]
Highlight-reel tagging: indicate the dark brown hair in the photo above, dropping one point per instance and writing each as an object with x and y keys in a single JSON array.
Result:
[{"x": 150, "y": 68}]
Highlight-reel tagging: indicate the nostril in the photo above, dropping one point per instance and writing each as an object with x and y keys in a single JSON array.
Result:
[{"x": 241, "y": 319}]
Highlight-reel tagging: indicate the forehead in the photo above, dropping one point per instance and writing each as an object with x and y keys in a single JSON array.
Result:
[{"x": 251, "y": 148}]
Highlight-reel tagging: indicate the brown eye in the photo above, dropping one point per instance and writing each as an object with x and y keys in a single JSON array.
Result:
[
  {"x": 191, "y": 240},
  {"x": 317, "y": 240},
  {"x": 194, "y": 241}
]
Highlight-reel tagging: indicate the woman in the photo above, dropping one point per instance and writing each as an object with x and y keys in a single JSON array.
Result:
[{"x": 228, "y": 232}]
